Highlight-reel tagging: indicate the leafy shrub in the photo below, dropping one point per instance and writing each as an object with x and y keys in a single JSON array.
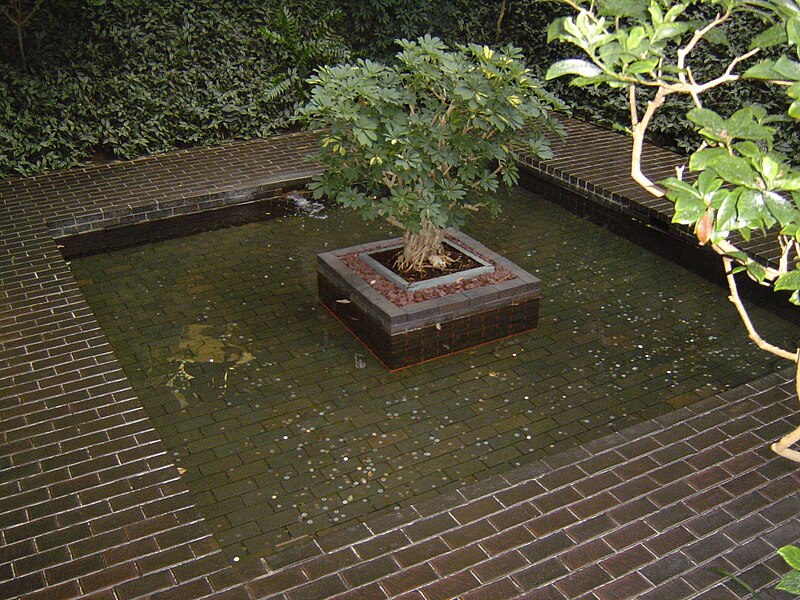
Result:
[
  {"x": 425, "y": 141},
  {"x": 135, "y": 77}
]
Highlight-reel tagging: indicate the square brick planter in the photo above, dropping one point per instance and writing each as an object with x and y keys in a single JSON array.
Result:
[{"x": 403, "y": 336}]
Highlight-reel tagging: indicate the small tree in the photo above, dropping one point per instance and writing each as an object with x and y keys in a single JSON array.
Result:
[
  {"x": 744, "y": 185},
  {"x": 422, "y": 142}
]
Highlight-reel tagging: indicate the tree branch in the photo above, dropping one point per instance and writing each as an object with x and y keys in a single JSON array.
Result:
[
  {"x": 638, "y": 130},
  {"x": 781, "y": 447},
  {"x": 751, "y": 331}
]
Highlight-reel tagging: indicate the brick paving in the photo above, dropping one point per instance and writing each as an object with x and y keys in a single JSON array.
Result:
[
  {"x": 93, "y": 506},
  {"x": 284, "y": 436}
]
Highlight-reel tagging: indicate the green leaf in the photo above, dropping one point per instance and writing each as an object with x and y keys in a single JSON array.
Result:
[
  {"x": 783, "y": 210},
  {"x": 706, "y": 118},
  {"x": 556, "y": 30},
  {"x": 762, "y": 70},
  {"x": 670, "y": 30},
  {"x": 708, "y": 183},
  {"x": 679, "y": 185},
  {"x": 791, "y": 554},
  {"x": 572, "y": 66},
  {"x": 734, "y": 169},
  {"x": 642, "y": 66},
  {"x": 701, "y": 159},
  {"x": 793, "y": 30},
  {"x": 635, "y": 38},
  {"x": 726, "y": 215},
  {"x": 756, "y": 271},
  {"x": 688, "y": 209},
  {"x": 769, "y": 169},
  {"x": 748, "y": 149},
  {"x": 742, "y": 126},
  {"x": 717, "y": 37},
  {"x": 791, "y": 581},
  {"x": 794, "y": 110},
  {"x": 788, "y": 281},
  {"x": 790, "y": 183},
  {"x": 750, "y": 205},
  {"x": 770, "y": 37},
  {"x": 787, "y": 69}
]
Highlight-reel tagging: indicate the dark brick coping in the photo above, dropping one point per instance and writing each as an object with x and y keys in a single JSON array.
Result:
[{"x": 92, "y": 506}]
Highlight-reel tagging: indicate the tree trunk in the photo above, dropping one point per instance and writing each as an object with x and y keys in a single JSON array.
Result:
[{"x": 423, "y": 249}]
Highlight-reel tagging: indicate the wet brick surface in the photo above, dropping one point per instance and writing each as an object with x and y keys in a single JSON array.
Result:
[{"x": 257, "y": 392}]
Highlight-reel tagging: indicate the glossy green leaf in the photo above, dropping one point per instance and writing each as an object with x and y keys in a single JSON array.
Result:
[
  {"x": 706, "y": 118},
  {"x": 788, "y": 68},
  {"x": 750, "y": 205},
  {"x": 794, "y": 110},
  {"x": 734, "y": 169},
  {"x": 789, "y": 183},
  {"x": 635, "y": 37},
  {"x": 748, "y": 149},
  {"x": 762, "y": 70},
  {"x": 572, "y": 66},
  {"x": 688, "y": 209},
  {"x": 707, "y": 183},
  {"x": 782, "y": 209},
  {"x": 769, "y": 168},
  {"x": 741, "y": 125},
  {"x": 716, "y": 36},
  {"x": 670, "y": 30},
  {"x": 788, "y": 281},
  {"x": 701, "y": 159},
  {"x": 756, "y": 271},
  {"x": 642, "y": 66},
  {"x": 679, "y": 185},
  {"x": 791, "y": 554},
  {"x": 793, "y": 30},
  {"x": 556, "y": 30},
  {"x": 791, "y": 581},
  {"x": 726, "y": 215}
]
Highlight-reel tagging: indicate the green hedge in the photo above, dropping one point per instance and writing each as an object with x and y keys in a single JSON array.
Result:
[
  {"x": 136, "y": 77},
  {"x": 124, "y": 78}
]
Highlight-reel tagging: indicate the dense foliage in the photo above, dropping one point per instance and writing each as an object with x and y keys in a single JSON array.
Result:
[
  {"x": 133, "y": 77},
  {"x": 427, "y": 139},
  {"x": 121, "y": 78}
]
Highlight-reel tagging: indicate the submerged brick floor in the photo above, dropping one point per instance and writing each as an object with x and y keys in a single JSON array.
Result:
[
  {"x": 91, "y": 505},
  {"x": 283, "y": 436}
]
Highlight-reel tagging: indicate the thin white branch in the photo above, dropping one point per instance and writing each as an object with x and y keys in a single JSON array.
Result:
[
  {"x": 632, "y": 104},
  {"x": 638, "y": 130},
  {"x": 781, "y": 447},
  {"x": 751, "y": 331}
]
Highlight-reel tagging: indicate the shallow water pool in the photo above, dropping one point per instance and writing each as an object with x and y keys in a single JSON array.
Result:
[{"x": 284, "y": 426}]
